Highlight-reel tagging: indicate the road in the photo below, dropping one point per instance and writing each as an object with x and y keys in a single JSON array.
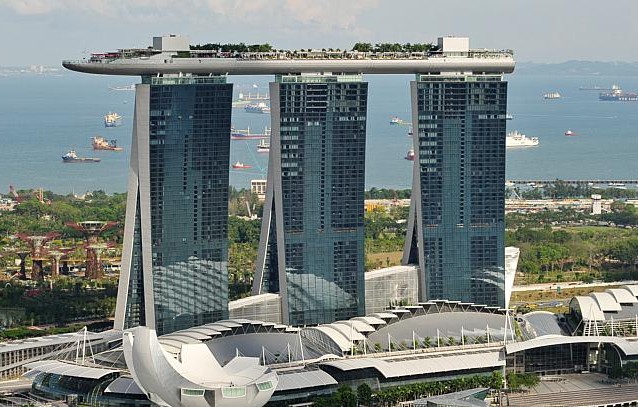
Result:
[{"x": 15, "y": 386}]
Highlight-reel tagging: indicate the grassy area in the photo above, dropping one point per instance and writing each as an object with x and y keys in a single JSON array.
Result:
[
  {"x": 552, "y": 294},
  {"x": 387, "y": 259}
]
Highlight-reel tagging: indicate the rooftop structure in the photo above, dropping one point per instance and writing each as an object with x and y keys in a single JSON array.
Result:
[
  {"x": 170, "y": 55},
  {"x": 613, "y": 312}
]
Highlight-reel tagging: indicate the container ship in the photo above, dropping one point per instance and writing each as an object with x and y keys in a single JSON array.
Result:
[
  {"x": 260, "y": 107},
  {"x": 618, "y": 95},
  {"x": 72, "y": 157},
  {"x": 245, "y": 134},
  {"x": 100, "y": 143},
  {"x": 112, "y": 119}
]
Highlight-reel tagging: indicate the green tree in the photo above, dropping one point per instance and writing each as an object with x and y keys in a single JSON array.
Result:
[
  {"x": 364, "y": 394},
  {"x": 345, "y": 397}
]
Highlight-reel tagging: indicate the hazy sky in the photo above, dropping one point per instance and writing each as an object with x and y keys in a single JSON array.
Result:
[{"x": 47, "y": 31}]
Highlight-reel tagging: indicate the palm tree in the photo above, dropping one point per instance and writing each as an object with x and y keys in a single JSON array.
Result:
[{"x": 427, "y": 341}]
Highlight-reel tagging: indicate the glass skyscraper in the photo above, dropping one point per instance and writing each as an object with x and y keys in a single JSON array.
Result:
[
  {"x": 311, "y": 246},
  {"x": 174, "y": 261},
  {"x": 456, "y": 224}
]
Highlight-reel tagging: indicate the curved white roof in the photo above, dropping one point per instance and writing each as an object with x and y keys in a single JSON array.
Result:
[
  {"x": 229, "y": 323},
  {"x": 180, "y": 337},
  {"x": 305, "y": 379},
  {"x": 360, "y": 326},
  {"x": 68, "y": 369},
  {"x": 197, "y": 336},
  {"x": 370, "y": 320},
  {"x": 589, "y": 308},
  {"x": 245, "y": 321},
  {"x": 418, "y": 366},
  {"x": 337, "y": 337},
  {"x": 125, "y": 385},
  {"x": 622, "y": 295},
  {"x": 633, "y": 289},
  {"x": 606, "y": 301},
  {"x": 627, "y": 347},
  {"x": 385, "y": 315},
  {"x": 217, "y": 326},
  {"x": 205, "y": 330},
  {"x": 351, "y": 334}
]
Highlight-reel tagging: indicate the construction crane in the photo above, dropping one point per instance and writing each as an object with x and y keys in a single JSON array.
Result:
[{"x": 251, "y": 215}]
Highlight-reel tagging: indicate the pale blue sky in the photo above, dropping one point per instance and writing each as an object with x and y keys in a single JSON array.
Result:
[{"x": 47, "y": 31}]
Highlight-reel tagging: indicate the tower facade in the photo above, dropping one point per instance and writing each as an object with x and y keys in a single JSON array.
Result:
[
  {"x": 175, "y": 254},
  {"x": 311, "y": 244},
  {"x": 456, "y": 223}
]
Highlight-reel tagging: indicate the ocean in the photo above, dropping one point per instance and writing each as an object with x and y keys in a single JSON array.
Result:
[{"x": 42, "y": 116}]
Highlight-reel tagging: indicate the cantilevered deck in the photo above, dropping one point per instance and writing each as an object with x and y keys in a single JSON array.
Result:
[{"x": 153, "y": 62}]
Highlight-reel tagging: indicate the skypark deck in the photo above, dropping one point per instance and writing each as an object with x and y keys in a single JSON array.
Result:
[{"x": 201, "y": 62}]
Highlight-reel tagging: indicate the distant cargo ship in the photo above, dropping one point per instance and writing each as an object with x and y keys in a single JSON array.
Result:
[
  {"x": 72, "y": 157},
  {"x": 100, "y": 143},
  {"x": 245, "y": 134},
  {"x": 240, "y": 165},
  {"x": 618, "y": 95},
  {"x": 552, "y": 95},
  {"x": 397, "y": 120},
  {"x": 112, "y": 119},
  {"x": 516, "y": 139},
  {"x": 127, "y": 87},
  {"x": 592, "y": 87},
  {"x": 260, "y": 107},
  {"x": 263, "y": 146}
]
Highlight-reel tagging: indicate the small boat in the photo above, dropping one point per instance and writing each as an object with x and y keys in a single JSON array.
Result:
[
  {"x": 100, "y": 143},
  {"x": 396, "y": 120},
  {"x": 509, "y": 116},
  {"x": 112, "y": 119},
  {"x": 570, "y": 133},
  {"x": 72, "y": 157},
  {"x": 551, "y": 95},
  {"x": 240, "y": 165},
  {"x": 410, "y": 132},
  {"x": 127, "y": 87},
  {"x": 409, "y": 155},
  {"x": 245, "y": 134},
  {"x": 263, "y": 146},
  {"x": 260, "y": 107}
]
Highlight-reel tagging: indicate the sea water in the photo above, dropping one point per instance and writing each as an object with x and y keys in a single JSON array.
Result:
[{"x": 44, "y": 116}]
